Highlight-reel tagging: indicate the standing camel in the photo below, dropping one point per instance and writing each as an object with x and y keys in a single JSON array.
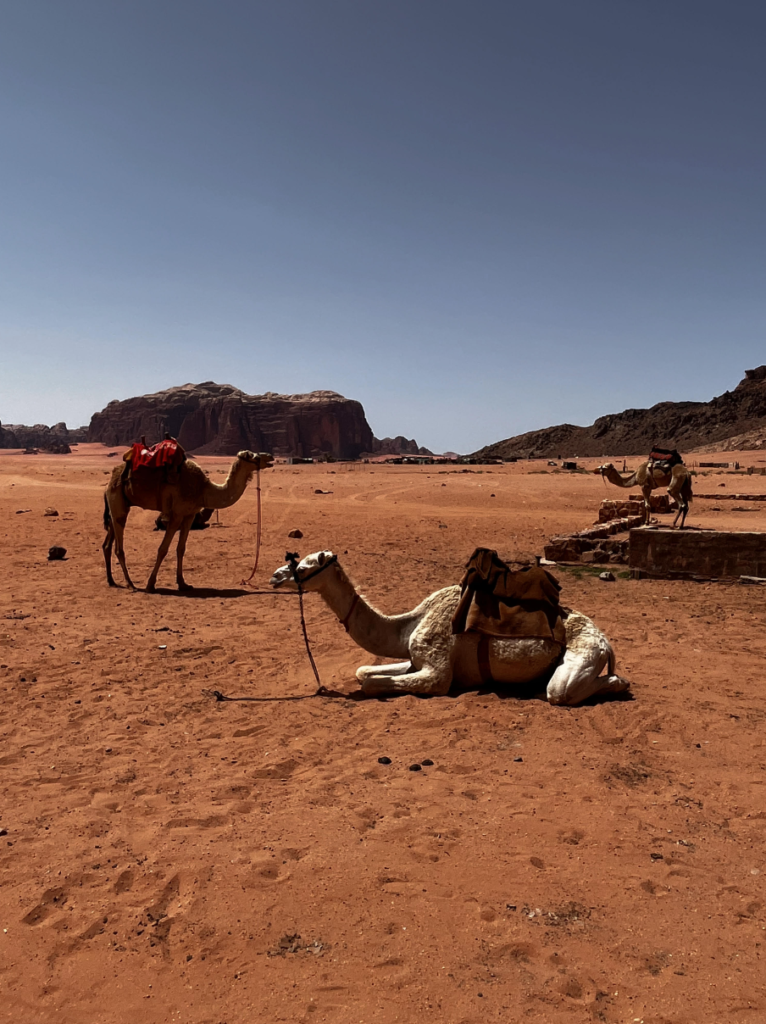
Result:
[
  {"x": 678, "y": 482},
  {"x": 436, "y": 657},
  {"x": 179, "y": 494}
]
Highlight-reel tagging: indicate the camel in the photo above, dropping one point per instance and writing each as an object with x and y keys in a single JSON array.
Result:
[
  {"x": 179, "y": 494},
  {"x": 678, "y": 482},
  {"x": 436, "y": 658}
]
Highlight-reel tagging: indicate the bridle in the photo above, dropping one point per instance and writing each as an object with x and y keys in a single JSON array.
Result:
[
  {"x": 292, "y": 558},
  {"x": 292, "y": 561}
]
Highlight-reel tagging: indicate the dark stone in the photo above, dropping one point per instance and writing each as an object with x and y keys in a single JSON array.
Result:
[
  {"x": 426, "y": 762},
  {"x": 415, "y": 768},
  {"x": 56, "y": 553},
  {"x": 384, "y": 760},
  {"x": 295, "y": 533}
]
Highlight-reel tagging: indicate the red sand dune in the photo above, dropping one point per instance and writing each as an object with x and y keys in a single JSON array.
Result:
[{"x": 168, "y": 857}]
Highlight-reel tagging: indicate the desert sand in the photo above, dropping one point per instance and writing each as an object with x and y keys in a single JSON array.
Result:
[{"x": 168, "y": 857}]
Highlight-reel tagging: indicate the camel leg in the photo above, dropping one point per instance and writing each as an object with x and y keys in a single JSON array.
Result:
[
  {"x": 647, "y": 493},
  {"x": 683, "y": 506},
  {"x": 399, "y": 668},
  {"x": 180, "y": 551},
  {"x": 170, "y": 532},
  {"x": 118, "y": 526},
  {"x": 106, "y": 547},
  {"x": 578, "y": 676},
  {"x": 378, "y": 680}
]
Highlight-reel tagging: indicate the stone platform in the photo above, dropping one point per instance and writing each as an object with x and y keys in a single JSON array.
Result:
[{"x": 685, "y": 554}]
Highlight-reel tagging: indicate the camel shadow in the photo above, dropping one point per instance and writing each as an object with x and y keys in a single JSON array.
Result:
[{"x": 203, "y": 593}]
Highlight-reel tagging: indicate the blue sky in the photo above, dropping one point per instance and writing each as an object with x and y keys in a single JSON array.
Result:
[{"x": 477, "y": 218}]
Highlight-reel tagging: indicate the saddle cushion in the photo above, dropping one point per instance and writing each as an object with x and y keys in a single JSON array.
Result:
[
  {"x": 165, "y": 453},
  {"x": 665, "y": 458},
  {"x": 496, "y": 601}
]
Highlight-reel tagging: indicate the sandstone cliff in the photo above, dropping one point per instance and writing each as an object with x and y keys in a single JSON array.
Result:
[
  {"x": 218, "y": 419},
  {"x": 732, "y": 421}
]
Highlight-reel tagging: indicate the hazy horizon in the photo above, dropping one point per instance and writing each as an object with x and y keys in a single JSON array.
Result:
[
  {"x": 475, "y": 219},
  {"x": 376, "y": 432}
]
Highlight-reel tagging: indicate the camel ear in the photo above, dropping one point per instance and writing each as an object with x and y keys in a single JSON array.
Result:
[{"x": 321, "y": 558}]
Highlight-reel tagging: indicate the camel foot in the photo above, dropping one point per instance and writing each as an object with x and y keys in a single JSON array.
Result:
[
  {"x": 185, "y": 587},
  {"x": 614, "y": 684},
  {"x": 150, "y": 588}
]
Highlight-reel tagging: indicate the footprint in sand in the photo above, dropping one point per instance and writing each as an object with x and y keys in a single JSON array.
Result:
[{"x": 51, "y": 901}]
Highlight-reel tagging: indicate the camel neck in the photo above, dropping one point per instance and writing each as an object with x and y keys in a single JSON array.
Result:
[
  {"x": 231, "y": 490},
  {"x": 379, "y": 634},
  {"x": 616, "y": 478}
]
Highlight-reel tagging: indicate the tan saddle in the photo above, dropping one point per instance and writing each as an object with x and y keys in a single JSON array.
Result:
[{"x": 497, "y": 601}]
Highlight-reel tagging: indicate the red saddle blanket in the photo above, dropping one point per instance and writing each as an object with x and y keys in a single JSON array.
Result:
[
  {"x": 665, "y": 457},
  {"x": 164, "y": 453}
]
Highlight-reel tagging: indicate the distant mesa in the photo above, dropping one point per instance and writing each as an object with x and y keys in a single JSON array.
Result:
[
  {"x": 396, "y": 446},
  {"x": 735, "y": 421},
  {"x": 56, "y": 439},
  {"x": 218, "y": 419}
]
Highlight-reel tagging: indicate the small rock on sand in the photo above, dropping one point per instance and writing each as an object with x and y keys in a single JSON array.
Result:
[
  {"x": 56, "y": 553},
  {"x": 295, "y": 533},
  {"x": 607, "y": 577},
  {"x": 50, "y": 511}
]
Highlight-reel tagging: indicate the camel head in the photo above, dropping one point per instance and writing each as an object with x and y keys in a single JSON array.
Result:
[
  {"x": 260, "y": 461},
  {"x": 309, "y": 569},
  {"x": 603, "y": 469}
]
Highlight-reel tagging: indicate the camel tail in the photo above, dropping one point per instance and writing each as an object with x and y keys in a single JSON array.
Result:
[{"x": 107, "y": 516}]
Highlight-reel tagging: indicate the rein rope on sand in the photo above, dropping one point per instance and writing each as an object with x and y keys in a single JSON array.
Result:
[
  {"x": 292, "y": 557},
  {"x": 246, "y": 582}
]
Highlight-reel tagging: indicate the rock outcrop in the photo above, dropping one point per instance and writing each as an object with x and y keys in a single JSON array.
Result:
[
  {"x": 218, "y": 419},
  {"x": 396, "y": 446},
  {"x": 56, "y": 439},
  {"x": 732, "y": 422}
]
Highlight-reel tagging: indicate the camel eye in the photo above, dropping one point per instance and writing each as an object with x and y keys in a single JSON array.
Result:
[{"x": 321, "y": 557}]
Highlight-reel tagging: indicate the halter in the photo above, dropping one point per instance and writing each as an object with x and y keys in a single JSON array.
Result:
[{"x": 291, "y": 557}]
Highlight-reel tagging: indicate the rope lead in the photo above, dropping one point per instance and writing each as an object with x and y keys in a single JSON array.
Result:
[
  {"x": 291, "y": 557},
  {"x": 246, "y": 583}
]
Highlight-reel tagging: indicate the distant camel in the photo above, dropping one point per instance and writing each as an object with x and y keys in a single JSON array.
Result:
[
  {"x": 436, "y": 657},
  {"x": 678, "y": 482},
  {"x": 179, "y": 494}
]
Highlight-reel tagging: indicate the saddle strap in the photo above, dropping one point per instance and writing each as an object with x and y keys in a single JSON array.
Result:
[{"x": 483, "y": 653}]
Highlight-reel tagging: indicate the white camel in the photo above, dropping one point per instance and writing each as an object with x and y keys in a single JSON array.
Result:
[{"x": 436, "y": 657}]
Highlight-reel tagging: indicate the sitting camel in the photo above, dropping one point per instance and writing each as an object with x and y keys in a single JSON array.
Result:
[
  {"x": 678, "y": 482},
  {"x": 436, "y": 657},
  {"x": 179, "y": 495}
]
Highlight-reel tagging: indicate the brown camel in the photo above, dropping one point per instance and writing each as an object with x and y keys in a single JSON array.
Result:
[
  {"x": 179, "y": 493},
  {"x": 678, "y": 482}
]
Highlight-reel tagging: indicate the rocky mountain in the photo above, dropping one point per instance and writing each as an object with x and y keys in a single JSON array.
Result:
[
  {"x": 396, "y": 446},
  {"x": 218, "y": 419},
  {"x": 733, "y": 421},
  {"x": 57, "y": 438}
]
